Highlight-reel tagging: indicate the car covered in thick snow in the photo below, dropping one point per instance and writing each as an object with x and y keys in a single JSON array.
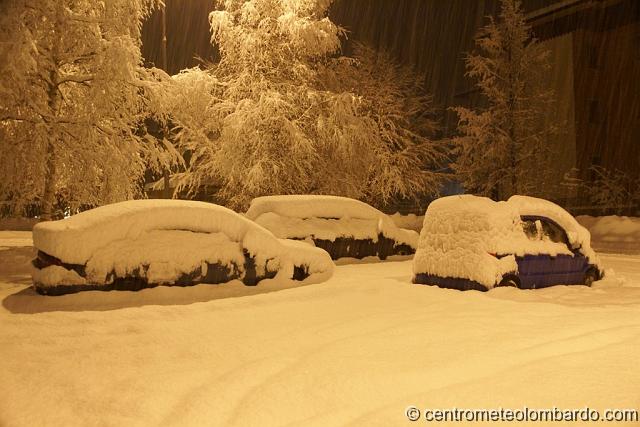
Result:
[
  {"x": 469, "y": 242},
  {"x": 344, "y": 227},
  {"x": 146, "y": 243}
]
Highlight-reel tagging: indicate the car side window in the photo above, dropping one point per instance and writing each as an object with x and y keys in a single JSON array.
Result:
[
  {"x": 531, "y": 229},
  {"x": 534, "y": 229},
  {"x": 553, "y": 232}
]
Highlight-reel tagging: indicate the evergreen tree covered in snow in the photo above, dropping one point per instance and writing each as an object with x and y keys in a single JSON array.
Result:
[
  {"x": 73, "y": 95},
  {"x": 500, "y": 145},
  {"x": 274, "y": 125}
]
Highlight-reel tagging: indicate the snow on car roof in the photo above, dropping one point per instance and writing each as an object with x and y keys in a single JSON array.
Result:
[
  {"x": 75, "y": 239},
  {"x": 312, "y": 206},
  {"x": 532, "y": 206},
  {"x": 482, "y": 209},
  {"x": 460, "y": 233},
  {"x": 84, "y": 238},
  {"x": 296, "y": 216},
  {"x": 488, "y": 211}
]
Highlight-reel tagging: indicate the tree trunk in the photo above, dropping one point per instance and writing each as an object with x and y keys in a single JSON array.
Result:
[
  {"x": 53, "y": 102},
  {"x": 511, "y": 104},
  {"x": 51, "y": 171},
  {"x": 50, "y": 181},
  {"x": 167, "y": 189},
  {"x": 513, "y": 158},
  {"x": 165, "y": 131}
]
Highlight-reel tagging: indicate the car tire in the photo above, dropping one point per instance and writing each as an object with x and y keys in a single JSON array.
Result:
[
  {"x": 508, "y": 282},
  {"x": 591, "y": 276}
]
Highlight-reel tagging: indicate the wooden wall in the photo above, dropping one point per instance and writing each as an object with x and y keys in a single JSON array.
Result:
[{"x": 607, "y": 87}]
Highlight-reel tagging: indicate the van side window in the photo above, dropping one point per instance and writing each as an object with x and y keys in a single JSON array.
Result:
[
  {"x": 532, "y": 228},
  {"x": 554, "y": 232}
]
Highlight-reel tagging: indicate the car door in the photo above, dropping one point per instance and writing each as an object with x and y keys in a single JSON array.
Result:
[
  {"x": 565, "y": 269},
  {"x": 534, "y": 270}
]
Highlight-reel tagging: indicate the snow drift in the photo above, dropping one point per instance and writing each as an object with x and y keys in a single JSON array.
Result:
[
  {"x": 620, "y": 234},
  {"x": 166, "y": 242}
]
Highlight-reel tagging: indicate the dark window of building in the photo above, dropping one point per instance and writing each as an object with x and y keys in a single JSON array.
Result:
[
  {"x": 592, "y": 56},
  {"x": 596, "y": 162},
  {"x": 593, "y": 111}
]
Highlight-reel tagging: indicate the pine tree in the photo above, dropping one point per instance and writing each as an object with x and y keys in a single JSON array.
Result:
[
  {"x": 74, "y": 93},
  {"x": 273, "y": 125},
  {"x": 500, "y": 145}
]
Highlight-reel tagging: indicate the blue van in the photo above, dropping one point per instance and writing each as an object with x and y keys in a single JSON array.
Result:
[
  {"x": 470, "y": 242},
  {"x": 542, "y": 270}
]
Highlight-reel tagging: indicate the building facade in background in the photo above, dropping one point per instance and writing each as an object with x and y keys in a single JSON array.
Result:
[
  {"x": 595, "y": 54},
  {"x": 595, "y": 47}
]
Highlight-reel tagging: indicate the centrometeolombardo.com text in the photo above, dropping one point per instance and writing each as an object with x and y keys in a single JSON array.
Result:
[{"x": 524, "y": 414}]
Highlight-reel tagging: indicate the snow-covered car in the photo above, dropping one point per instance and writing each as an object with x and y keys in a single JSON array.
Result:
[
  {"x": 146, "y": 243},
  {"x": 342, "y": 226},
  {"x": 469, "y": 242}
]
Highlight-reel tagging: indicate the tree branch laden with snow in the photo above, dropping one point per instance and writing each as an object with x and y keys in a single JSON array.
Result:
[
  {"x": 74, "y": 93},
  {"x": 275, "y": 122}
]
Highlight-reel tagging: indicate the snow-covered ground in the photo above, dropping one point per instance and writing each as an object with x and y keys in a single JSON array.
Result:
[
  {"x": 613, "y": 233},
  {"x": 356, "y": 350},
  {"x": 15, "y": 239}
]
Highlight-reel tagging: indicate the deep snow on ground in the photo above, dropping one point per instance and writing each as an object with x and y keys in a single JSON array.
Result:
[
  {"x": 356, "y": 350},
  {"x": 613, "y": 233},
  {"x": 15, "y": 239}
]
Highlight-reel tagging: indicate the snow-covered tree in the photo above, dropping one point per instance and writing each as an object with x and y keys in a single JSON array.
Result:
[
  {"x": 500, "y": 145},
  {"x": 73, "y": 96},
  {"x": 193, "y": 95},
  {"x": 272, "y": 123},
  {"x": 612, "y": 189},
  {"x": 606, "y": 189},
  {"x": 393, "y": 96}
]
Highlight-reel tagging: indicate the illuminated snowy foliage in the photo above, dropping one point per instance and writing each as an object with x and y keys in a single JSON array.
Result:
[
  {"x": 74, "y": 93},
  {"x": 283, "y": 117}
]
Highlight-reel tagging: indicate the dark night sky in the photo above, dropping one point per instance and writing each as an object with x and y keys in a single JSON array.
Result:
[
  {"x": 189, "y": 37},
  {"x": 432, "y": 35}
]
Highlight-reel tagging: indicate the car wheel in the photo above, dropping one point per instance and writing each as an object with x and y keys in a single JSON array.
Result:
[
  {"x": 508, "y": 282},
  {"x": 591, "y": 276},
  {"x": 383, "y": 253}
]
